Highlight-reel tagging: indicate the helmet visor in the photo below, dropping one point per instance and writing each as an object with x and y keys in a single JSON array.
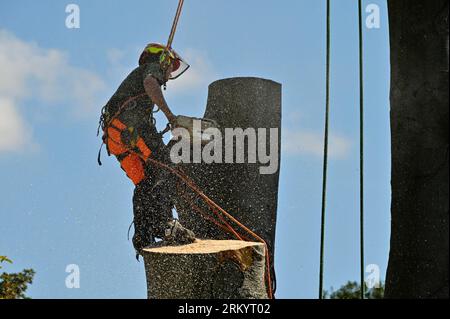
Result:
[{"x": 179, "y": 67}]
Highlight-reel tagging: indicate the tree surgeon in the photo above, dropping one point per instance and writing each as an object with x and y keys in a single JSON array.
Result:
[{"x": 129, "y": 133}]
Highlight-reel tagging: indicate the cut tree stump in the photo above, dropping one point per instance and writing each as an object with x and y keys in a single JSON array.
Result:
[{"x": 206, "y": 269}]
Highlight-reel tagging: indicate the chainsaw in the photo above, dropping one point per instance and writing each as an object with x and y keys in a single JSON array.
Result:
[{"x": 196, "y": 127}]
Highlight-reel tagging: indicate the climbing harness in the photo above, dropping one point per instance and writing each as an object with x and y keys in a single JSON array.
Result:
[
  {"x": 106, "y": 119},
  {"x": 361, "y": 157}
]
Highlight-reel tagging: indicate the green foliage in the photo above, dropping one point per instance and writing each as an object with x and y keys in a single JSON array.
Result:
[
  {"x": 4, "y": 259},
  {"x": 351, "y": 290},
  {"x": 14, "y": 285}
]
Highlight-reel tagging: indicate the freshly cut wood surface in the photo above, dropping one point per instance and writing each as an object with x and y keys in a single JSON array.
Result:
[{"x": 203, "y": 247}]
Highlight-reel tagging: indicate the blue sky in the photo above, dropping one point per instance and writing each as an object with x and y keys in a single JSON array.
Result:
[{"x": 58, "y": 207}]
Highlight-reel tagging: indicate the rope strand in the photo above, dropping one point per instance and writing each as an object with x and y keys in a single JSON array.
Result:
[
  {"x": 174, "y": 24},
  {"x": 325, "y": 154},
  {"x": 361, "y": 145}
]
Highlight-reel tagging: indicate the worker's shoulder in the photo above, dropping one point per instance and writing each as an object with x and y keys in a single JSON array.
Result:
[
  {"x": 131, "y": 86},
  {"x": 136, "y": 74},
  {"x": 142, "y": 71},
  {"x": 133, "y": 80}
]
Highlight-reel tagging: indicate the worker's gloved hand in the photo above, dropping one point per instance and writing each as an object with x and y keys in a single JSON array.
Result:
[
  {"x": 176, "y": 234},
  {"x": 172, "y": 120}
]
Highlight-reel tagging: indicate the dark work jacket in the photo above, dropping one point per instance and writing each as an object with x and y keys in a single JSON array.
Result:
[{"x": 133, "y": 107}]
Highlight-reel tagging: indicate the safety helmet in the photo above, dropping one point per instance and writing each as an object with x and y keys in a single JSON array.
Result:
[{"x": 166, "y": 57}]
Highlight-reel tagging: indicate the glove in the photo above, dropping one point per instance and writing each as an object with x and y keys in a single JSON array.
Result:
[
  {"x": 187, "y": 123},
  {"x": 176, "y": 234}
]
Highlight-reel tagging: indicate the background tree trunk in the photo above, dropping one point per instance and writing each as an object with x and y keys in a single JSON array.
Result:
[{"x": 419, "y": 255}]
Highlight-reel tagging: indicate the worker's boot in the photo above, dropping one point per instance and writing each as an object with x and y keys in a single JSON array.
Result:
[{"x": 176, "y": 234}]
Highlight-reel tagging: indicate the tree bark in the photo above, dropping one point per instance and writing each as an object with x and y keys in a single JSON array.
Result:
[
  {"x": 419, "y": 253},
  {"x": 206, "y": 269},
  {"x": 240, "y": 188}
]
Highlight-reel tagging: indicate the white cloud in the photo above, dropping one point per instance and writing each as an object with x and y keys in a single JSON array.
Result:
[
  {"x": 120, "y": 62},
  {"x": 311, "y": 143},
  {"x": 13, "y": 131},
  {"x": 27, "y": 70},
  {"x": 115, "y": 56}
]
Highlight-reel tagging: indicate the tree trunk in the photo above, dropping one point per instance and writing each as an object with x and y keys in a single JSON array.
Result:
[
  {"x": 240, "y": 188},
  {"x": 419, "y": 255},
  {"x": 206, "y": 269}
]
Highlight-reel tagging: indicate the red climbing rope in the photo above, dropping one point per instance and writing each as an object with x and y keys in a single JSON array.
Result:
[{"x": 220, "y": 213}]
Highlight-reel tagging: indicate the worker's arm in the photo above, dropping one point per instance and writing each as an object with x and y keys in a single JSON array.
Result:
[{"x": 153, "y": 89}]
